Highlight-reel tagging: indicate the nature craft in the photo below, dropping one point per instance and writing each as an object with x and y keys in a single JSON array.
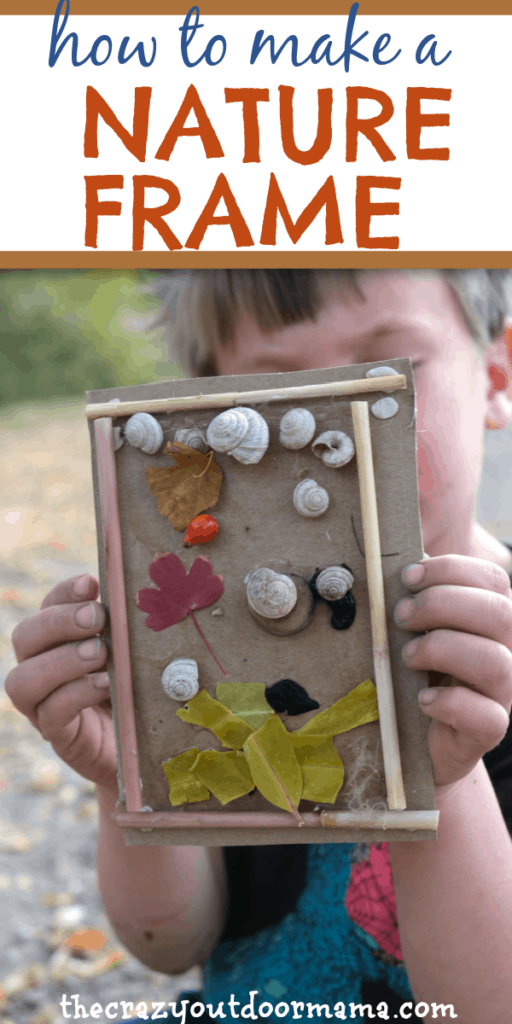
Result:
[
  {"x": 295, "y": 429},
  {"x": 285, "y": 766}
]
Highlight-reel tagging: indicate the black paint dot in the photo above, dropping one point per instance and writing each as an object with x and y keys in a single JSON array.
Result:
[
  {"x": 343, "y": 612},
  {"x": 290, "y": 697}
]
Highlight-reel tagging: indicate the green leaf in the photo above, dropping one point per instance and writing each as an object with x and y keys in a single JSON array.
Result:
[
  {"x": 321, "y": 767},
  {"x": 226, "y": 773},
  {"x": 204, "y": 710},
  {"x": 358, "y": 707},
  {"x": 274, "y": 766},
  {"x": 184, "y": 787},
  {"x": 247, "y": 700}
]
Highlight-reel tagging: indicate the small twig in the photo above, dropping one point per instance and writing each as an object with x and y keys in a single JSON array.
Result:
[
  {"x": 201, "y": 634},
  {"x": 389, "y": 554},
  {"x": 360, "y": 549},
  {"x": 198, "y": 476}
]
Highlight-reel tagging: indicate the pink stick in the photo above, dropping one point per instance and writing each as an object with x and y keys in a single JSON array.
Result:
[
  {"x": 117, "y": 609},
  {"x": 201, "y": 634}
]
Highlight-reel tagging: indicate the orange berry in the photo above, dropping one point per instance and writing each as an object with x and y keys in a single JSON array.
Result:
[{"x": 201, "y": 530}]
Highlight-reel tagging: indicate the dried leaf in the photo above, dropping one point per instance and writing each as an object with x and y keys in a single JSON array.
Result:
[
  {"x": 184, "y": 787},
  {"x": 86, "y": 940},
  {"x": 94, "y": 968},
  {"x": 180, "y": 592},
  {"x": 321, "y": 767},
  {"x": 204, "y": 710},
  {"x": 274, "y": 766},
  {"x": 226, "y": 773},
  {"x": 358, "y": 707},
  {"x": 190, "y": 487},
  {"x": 246, "y": 700}
]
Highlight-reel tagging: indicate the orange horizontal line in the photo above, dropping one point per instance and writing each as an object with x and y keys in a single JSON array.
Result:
[{"x": 201, "y": 260}]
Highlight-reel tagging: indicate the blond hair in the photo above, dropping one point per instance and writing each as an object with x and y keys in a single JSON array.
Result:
[{"x": 201, "y": 308}]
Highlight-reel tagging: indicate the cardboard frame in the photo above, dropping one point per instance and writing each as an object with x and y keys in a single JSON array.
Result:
[{"x": 401, "y": 821}]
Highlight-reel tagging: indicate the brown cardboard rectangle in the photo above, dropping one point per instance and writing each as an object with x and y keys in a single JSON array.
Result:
[{"x": 259, "y": 526}]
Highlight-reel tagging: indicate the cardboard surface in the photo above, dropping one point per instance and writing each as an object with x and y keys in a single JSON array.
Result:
[{"x": 258, "y": 526}]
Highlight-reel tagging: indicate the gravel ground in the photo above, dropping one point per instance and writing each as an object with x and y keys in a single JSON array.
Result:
[
  {"x": 48, "y": 813},
  {"x": 56, "y": 938}
]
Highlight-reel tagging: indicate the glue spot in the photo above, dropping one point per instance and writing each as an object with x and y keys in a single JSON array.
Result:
[{"x": 289, "y": 697}]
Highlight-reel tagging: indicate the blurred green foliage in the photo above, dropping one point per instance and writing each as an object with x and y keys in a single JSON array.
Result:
[{"x": 63, "y": 332}]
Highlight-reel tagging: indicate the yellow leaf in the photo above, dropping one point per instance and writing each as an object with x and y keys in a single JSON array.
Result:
[
  {"x": 204, "y": 710},
  {"x": 184, "y": 787},
  {"x": 274, "y": 766},
  {"x": 247, "y": 700},
  {"x": 321, "y": 767},
  {"x": 358, "y": 707},
  {"x": 185, "y": 490},
  {"x": 225, "y": 772}
]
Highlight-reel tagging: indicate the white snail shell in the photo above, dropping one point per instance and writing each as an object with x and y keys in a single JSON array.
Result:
[
  {"x": 193, "y": 437},
  {"x": 382, "y": 371},
  {"x": 334, "y": 448},
  {"x": 180, "y": 679},
  {"x": 269, "y": 594},
  {"x": 117, "y": 438},
  {"x": 144, "y": 431},
  {"x": 385, "y": 408},
  {"x": 297, "y": 428},
  {"x": 240, "y": 432},
  {"x": 310, "y": 499},
  {"x": 334, "y": 582}
]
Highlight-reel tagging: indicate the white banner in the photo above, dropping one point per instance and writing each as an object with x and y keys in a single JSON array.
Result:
[{"x": 255, "y": 133}]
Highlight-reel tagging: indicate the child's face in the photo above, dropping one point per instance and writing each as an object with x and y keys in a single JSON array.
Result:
[{"x": 400, "y": 316}]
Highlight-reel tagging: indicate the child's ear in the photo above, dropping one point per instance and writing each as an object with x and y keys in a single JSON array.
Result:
[{"x": 498, "y": 362}]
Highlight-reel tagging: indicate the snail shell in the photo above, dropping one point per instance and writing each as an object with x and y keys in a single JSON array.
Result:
[
  {"x": 310, "y": 499},
  {"x": 180, "y": 679},
  {"x": 297, "y": 428},
  {"x": 241, "y": 432},
  {"x": 385, "y": 408},
  {"x": 117, "y": 432},
  {"x": 144, "y": 431},
  {"x": 334, "y": 448},
  {"x": 118, "y": 439},
  {"x": 270, "y": 594},
  {"x": 193, "y": 437},
  {"x": 382, "y": 371},
  {"x": 334, "y": 582}
]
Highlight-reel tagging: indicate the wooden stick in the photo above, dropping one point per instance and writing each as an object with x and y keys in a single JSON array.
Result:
[
  {"x": 382, "y": 666},
  {"x": 118, "y": 620},
  {"x": 406, "y": 820},
  {"x": 233, "y": 398}
]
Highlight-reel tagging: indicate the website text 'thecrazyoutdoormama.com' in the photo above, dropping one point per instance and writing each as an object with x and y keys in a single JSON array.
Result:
[{"x": 73, "y": 1008}]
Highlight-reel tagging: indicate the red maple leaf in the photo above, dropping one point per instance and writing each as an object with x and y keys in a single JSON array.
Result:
[{"x": 180, "y": 593}]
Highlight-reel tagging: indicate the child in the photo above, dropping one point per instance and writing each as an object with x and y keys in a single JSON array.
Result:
[{"x": 288, "y": 936}]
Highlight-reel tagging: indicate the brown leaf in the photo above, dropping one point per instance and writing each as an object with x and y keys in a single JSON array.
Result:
[{"x": 190, "y": 487}]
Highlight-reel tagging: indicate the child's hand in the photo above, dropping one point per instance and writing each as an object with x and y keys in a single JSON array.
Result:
[
  {"x": 57, "y": 684},
  {"x": 466, "y": 606}
]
